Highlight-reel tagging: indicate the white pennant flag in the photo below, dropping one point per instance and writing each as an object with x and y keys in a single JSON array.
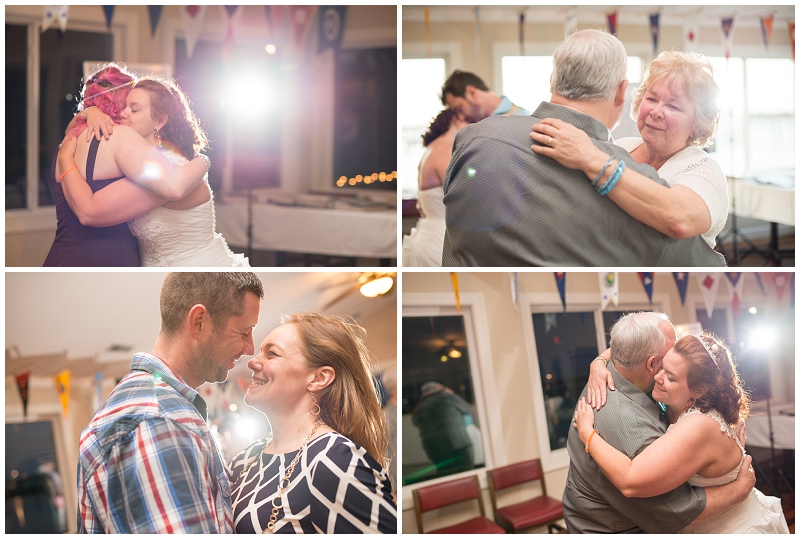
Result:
[
  {"x": 709, "y": 284},
  {"x": 609, "y": 288},
  {"x": 53, "y": 14},
  {"x": 691, "y": 33},
  {"x": 193, "y": 19}
]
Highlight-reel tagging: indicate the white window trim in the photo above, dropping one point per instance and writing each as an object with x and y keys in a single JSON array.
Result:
[
  {"x": 476, "y": 326},
  {"x": 551, "y": 302},
  {"x": 449, "y": 50}
]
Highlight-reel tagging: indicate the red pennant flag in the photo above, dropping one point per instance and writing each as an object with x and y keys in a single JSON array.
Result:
[
  {"x": 791, "y": 36},
  {"x": 612, "y": 23},
  {"x": 301, "y": 21},
  {"x": 766, "y": 29},
  {"x": 22, "y": 385},
  {"x": 781, "y": 281}
]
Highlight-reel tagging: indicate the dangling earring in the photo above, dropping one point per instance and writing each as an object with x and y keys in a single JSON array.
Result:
[
  {"x": 314, "y": 409},
  {"x": 158, "y": 139}
]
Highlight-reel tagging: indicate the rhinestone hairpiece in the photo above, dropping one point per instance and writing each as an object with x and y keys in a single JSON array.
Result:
[{"x": 712, "y": 350}]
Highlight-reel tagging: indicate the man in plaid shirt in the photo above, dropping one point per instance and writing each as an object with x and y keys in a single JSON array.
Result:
[{"x": 147, "y": 461}]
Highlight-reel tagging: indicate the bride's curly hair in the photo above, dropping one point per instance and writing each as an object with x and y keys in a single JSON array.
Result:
[
  {"x": 183, "y": 128},
  {"x": 439, "y": 126},
  {"x": 725, "y": 392}
]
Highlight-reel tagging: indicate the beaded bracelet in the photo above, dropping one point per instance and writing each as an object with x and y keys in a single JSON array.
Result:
[
  {"x": 602, "y": 171},
  {"x": 609, "y": 185}
]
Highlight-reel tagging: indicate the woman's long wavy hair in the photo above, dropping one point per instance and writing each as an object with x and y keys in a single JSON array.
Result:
[
  {"x": 725, "y": 392},
  {"x": 351, "y": 404},
  {"x": 106, "y": 89},
  {"x": 182, "y": 129}
]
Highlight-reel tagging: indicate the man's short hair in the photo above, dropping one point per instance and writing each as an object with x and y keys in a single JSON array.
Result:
[
  {"x": 589, "y": 65},
  {"x": 222, "y": 293},
  {"x": 637, "y": 336},
  {"x": 456, "y": 84}
]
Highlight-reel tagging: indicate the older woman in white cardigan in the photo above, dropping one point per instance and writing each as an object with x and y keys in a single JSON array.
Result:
[{"x": 676, "y": 111}]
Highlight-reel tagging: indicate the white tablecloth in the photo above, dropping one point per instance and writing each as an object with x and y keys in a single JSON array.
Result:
[
  {"x": 333, "y": 232},
  {"x": 782, "y": 426},
  {"x": 761, "y": 201}
]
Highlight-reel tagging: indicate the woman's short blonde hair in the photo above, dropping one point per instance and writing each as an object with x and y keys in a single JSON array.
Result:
[{"x": 694, "y": 74}]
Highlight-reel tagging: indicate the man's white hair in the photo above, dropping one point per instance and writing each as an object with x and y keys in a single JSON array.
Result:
[
  {"x": 637, "y": 336},
  {"x": 589, "y": 65}
]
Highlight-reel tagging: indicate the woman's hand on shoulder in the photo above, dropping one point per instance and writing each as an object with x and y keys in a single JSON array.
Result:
[
  {"x": 584, "y": 419},
  {"x": 600, "y": 378},
  {"x": 565, "y": 143},
  {"x": 98, "y": 123}
]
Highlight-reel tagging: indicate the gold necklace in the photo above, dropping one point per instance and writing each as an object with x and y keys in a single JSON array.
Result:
[{"x": 284, "y": 484}]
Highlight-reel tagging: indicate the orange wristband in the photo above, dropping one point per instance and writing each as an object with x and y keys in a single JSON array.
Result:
[
  {"x": 66, "y": 171},
  {"x": 589, "y": 440}
]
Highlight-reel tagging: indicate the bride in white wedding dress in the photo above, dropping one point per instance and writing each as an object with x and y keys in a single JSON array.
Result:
[
  {"x": 177, "y": 230},
  {"x": 704, "y": 399}
]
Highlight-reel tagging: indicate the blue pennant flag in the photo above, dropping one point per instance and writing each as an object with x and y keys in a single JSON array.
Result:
[
  {"x": 647, "y": 281},
  {"x": 682, "y": 282},
  {"x": 560, "y": 281}
]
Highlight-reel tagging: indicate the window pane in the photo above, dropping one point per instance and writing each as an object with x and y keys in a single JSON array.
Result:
[
  {"x": 566, "y": 344},
  {"x": 16, "y": 116},
  {"x": 441, "y": 433},
  {"x": 61, "y": 77}
]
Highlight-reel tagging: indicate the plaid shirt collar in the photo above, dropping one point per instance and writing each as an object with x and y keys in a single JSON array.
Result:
[{"x": 143, "y": 361}]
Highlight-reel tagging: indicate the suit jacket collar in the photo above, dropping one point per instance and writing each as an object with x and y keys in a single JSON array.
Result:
[{"x": 594, "y": 128}]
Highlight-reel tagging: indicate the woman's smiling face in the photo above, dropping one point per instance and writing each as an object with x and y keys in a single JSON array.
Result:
[
  {"x": 139, "y": 115},
  {"x": 666, "y": 118},
  {"x": 671, "y": 382}
]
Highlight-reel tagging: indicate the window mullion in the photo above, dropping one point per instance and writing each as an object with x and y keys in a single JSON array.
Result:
[{"x": 32, "y": 143}]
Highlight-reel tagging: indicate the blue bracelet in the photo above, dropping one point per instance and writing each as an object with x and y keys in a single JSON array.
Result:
[
  {"x": 602, "y": 170},
  {"x": 609, "y": 185}
]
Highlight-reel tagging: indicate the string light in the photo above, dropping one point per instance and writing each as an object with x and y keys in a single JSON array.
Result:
[{"x": 367, "y": 179}]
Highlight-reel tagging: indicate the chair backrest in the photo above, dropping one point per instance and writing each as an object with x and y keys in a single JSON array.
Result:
[
  {"x": 514, "y": 474},
  {"x": 447, "y": 493}
]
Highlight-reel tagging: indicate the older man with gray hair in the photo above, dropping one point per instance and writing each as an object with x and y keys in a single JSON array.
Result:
[
  {"x": 630, "y": 421},
  {"x": 508, "y": 206}
]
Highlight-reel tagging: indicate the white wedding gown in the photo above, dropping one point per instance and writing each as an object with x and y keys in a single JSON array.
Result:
[
  {"x": 183, "y": 238},
  {"x": 757, "y": 514},
  {"x": 423, "y": 247}
]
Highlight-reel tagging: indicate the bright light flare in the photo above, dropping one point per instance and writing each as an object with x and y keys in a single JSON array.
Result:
[
  {"x": 245, "y": 427},
  {"x": 251, "y": 97},
  {"x": 762, "y": 338},
  {"x": 271, "y": 49}
]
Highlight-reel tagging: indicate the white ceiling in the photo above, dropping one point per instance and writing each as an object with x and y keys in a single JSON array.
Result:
[
  {"x": 744, "y": 16},
  {"x": 73, "y": 319}
]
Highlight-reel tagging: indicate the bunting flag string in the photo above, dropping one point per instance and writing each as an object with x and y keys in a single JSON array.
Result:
[
  {"x": 737, "y": 285},
  {"x": 22, "y": 386},
  {"x": 691, "y": 33},
  {"x": 647, "y": 281},
  {"x": 193, "y": 19},
  {"x": 654, "y": 31},
  {"x": 522, "y": 34},
  {"x": 454, "y": 279},
  {"x": 682, "y": 282},
  {"x": 155, "y": 15},
  {"x": 55, "y": 14},
  {"x": 62, "y": 388},
  {"x": 612, "y": 23},
  {"x": 109, "y": 13},
  {"x": 570, "y": 22},
  {"x": 561, "y": 281},
  {"x": 609, "y": 289},
  {"x": 301, "y": 22},
  {"x": 727, "y": 36},
  {"x": 331, "y": 27},
  {"x": 766, "y": 29},
  {"x": 477, "y": 32},
  {"x": 709, "y": 285}
]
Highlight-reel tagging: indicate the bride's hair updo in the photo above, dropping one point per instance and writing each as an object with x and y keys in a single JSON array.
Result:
[
  {"x": 183, "y": 128},
  {"x": 105, "y": 89},
  {"x": 725, "y": 389},
  {"x": 440, "y": 125}
]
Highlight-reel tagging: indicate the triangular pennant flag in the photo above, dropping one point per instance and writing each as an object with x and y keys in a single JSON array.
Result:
[
  {"x": 477, "y": 32},
  {"x": 654, "y": 31},
  {"x": 550, "y": 321},
  {"x": 230, "y": 13},
  {"x": 428, "y": 31},
  {"x": 609, "y": 288},
  {"x": 760, "y": 281},
  {"x": 612, "y": 23},
  {"x": 155, "y": 16},
  {"x": 727, "y": 35},
  {"x": 514, "y": 289},
  {"x": 301, "y": 21},
  {"x": 709, "y": 284},
  {"x": 331, "y": 27},
  {"x": 62, "y": 388},
  {"x": 691, "y": 33},
  {"x": 647, "y": 281},
  {"x": 109, "y": 13},
  {"x": 766, "y": 29},
  {"x": 791, "y": 37},
  {"x": 561, "y": 281},
  {"x": 571, "y": 22},
  {"x": 454, "y": 279},
  {"x": 781, "y": 281},
  {"x": 737, "y": 286},
  {"x": 193, "y": 19},
  {"x": 22, "y": 385},
  {"x": 97, "y": 398},
  {"x": 682, "y": 282},
  {"x": 522, "y": 34},
  {"x": 55, "y": 14}
]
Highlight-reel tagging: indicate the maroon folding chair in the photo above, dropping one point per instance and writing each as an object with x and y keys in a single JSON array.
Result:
[
  {"x": 449, "y": 493},
  {"x": 539, "y": 511}
]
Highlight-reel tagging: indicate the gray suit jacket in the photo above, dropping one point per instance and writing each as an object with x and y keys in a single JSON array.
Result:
[
  {"x": 508, "y": 206},
  {"x": 630, "y": 421}
]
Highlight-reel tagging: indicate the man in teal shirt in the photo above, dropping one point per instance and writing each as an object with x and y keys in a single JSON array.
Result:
[{"x": 469, "y": 93}]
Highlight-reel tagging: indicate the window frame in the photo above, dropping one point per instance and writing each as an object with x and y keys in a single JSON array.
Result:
[
  {"x": 476, "y": 327},
  {"x": 537, "y": 302}
]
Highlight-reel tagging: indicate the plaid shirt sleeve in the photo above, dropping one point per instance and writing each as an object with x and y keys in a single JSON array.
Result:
[{"x": 153, "y": 479}]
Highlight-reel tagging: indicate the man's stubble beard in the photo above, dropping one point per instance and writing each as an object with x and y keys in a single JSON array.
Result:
[{"x": 206, "y": 366}]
